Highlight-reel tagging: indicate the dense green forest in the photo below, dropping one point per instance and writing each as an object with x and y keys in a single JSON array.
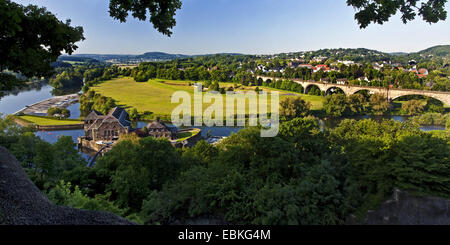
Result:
[{"x": 302, "y": 176}]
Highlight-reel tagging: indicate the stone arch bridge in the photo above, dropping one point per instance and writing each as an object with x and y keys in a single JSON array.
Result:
[{"x": 390, "y": 93}]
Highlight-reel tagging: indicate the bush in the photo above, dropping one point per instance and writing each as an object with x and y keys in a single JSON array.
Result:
[
  {"x": 291, "y": 108},
  {"x": 64, "y": 112},
  {"x": 413, "y": 107},
  {"x": 434, "y": 105},
  {"x": 431, "y": 119},
  {"x": 379, "y": 103},
  {"x": 63, "y": 195}
]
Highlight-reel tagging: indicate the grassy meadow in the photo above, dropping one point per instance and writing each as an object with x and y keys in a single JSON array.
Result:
[
  {"x": 188, "y": 134},
  {"x": 155, "y": 95},
  {"x": 48, "y": 121}
]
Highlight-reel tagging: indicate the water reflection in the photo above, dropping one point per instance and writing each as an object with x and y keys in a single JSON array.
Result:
[
  {"x": 53, "y": 136},
  {"x": 74, "y": 111},
  {"x": 14, "y": 102}
]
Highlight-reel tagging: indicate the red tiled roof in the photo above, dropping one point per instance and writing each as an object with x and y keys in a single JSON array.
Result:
[{"x": 421, "y": 75}]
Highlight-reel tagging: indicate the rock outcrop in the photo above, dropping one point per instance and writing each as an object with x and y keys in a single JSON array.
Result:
[
  {"x": 406, "y": 209},
  {"x": 22, "y": 203}
]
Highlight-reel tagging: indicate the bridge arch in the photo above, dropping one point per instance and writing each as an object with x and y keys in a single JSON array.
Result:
[
  {"x": 410, "y": 97},
  {"x": 422, "y": 95},
  {"x": 364, "y": 92},
  {"x": 334, "y": 90},
  {"x": 259, "y": 81},
  {"x": 313, "y": 89}
]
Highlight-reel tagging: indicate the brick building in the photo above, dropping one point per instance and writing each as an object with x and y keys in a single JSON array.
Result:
[
  {"x": 158, "y": 129},
  {"x": 99, "y": 127}
]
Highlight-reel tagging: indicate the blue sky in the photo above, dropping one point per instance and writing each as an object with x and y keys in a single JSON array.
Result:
[{"x": 245, "y": 26}]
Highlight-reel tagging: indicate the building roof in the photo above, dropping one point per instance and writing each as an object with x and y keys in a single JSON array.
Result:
[
  {"x": 94, "y": 115},
  {"x": 421, "y": 75},
  {"x": 160, "y": 125},
  {"x": 121, "y": 115},
  {"x": 306, "y": 65},
  {"x": 117, "y": 113}
]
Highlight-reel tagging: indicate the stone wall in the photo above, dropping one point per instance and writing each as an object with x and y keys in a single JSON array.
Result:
[
  {"x": 407, "y": 209},
  {"x": 22, "y": 203}
]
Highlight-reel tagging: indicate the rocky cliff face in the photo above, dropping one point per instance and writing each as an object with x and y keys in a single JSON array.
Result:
[
  {"x": 406, "y": 209},
  {"x": 22, "y": 203}
]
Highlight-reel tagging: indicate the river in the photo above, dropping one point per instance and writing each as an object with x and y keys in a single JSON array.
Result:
[{"x": 14, "y": 102}]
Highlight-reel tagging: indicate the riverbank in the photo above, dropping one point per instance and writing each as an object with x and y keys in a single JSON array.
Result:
[
  {"x": 40, "y": 108},
  {"x": 48, "y": 123}
]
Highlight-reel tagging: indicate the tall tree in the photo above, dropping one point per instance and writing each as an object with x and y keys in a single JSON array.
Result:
[
  {"x": 291, "y": 108},
  {"x": 379, "y": 103},
  {"x": 31, "y": 38}
]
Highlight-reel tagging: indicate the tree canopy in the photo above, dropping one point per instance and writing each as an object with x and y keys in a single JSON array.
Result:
[
  {"x": 31, "y": 38},
  {"x": 162, "y": 12},
  {"x": 379, "y": 11}
]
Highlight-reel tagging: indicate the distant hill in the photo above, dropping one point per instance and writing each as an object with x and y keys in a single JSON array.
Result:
[
  {"x": 355, "y": 54},
  {"x": 162, "y": 56},
  {"x": 398, "y": 53},
  {"x": 75, "y": 58},
  {"x": 126, "y": 58},
  {"x": 437, "y": 51},
  {"x": 130, "y": 58}
]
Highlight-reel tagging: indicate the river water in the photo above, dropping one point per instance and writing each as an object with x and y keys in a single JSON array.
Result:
[{"x": 14, "y": 102}]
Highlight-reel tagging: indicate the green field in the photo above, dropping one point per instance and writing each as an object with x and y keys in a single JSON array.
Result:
[
  {"x": 74, "y": 62},
  {"x": 155, "y": 95},
  {"x": 48, "y": 121},
  {"x": 186, "y": 135}
]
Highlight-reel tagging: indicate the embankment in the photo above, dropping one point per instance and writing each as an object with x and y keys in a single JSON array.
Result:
[{"x": 25, "y": 123}]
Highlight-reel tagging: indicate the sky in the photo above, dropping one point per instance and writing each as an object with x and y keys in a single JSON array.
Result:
[{"x": 245, "y": 26}]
